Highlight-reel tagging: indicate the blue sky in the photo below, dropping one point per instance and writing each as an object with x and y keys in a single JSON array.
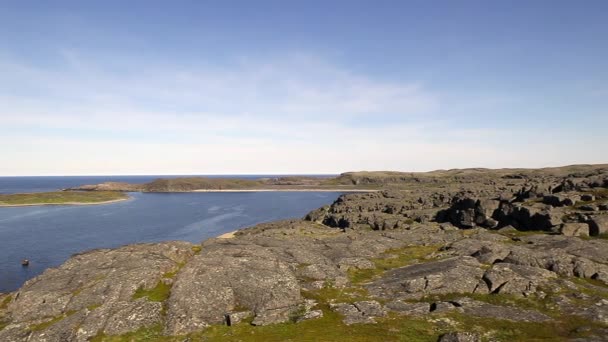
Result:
[{"x": 212, "y": 87}]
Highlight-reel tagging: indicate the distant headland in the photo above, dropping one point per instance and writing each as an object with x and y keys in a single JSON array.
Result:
[{"x": 62, "y": 198}]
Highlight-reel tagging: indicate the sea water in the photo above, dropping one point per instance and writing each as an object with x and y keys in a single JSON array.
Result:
[{"x": 48, "y": 235}]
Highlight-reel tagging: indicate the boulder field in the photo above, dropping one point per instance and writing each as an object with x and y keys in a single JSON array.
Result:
[{"x": 509, "y": 257}]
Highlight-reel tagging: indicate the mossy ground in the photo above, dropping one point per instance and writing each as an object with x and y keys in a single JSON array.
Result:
[
  {"x": 61, "y": 197},
  {"x": 46, "y": 324},
  {"x": 391, "y": 259},
  {"x": 393, "y": 327},
  {"x": 159, "y": 293}
]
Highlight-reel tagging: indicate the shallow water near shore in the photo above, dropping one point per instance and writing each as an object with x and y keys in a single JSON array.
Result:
[{"x": 48, "y": 235}]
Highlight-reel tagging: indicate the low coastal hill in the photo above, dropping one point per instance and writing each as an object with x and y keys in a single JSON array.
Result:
[
  {"x": 365, "y": 180},
  {"x": 498, "y": 255}
]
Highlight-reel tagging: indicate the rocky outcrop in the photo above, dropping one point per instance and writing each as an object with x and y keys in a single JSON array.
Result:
[
  {"x": 94, "y": 292},
  {"x": 267, "y": 274},
  {"x": 454, "y": 275},
  {"x": 389, "y": 265}
]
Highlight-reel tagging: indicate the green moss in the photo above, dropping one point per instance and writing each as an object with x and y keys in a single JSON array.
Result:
[
  {"x": 61, "y": 197},
  {"x": 93, "y": 307},
  {"x": 44, "y": 325},
  {"x": 591, "y": 287},
  {"x": 3, "y": 325},
  {"x": 159, "y": 293},
  {"x": 5, "y": 302},
  {"x": 563, "y": 328},
  {"x": 172, "y": 274},
  {"x": 297, "y": 314},
  {"x": 393, "y": 258},
  {"x": 341, "y": 295}
]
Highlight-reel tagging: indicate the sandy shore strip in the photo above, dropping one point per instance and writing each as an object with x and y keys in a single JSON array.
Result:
[
  {"x": 285, "y": 190},
  {"x": 66, "y": 203},
  {"x": 227, "y": 235}
]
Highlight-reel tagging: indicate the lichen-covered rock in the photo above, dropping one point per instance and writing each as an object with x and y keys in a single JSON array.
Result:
[
  {"x": 520, "y": 280},
  {"x": 223, "y": 277},
  {"x": 575, "y": 229},
  {"x": 453, "y": 275},
  {"x": 94, "y": 293}
]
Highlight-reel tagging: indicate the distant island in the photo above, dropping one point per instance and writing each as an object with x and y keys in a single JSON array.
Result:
[{"x": 62, "y": 198}]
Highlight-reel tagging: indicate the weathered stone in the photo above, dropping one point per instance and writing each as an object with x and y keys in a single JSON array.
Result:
[
  {"x": 587, "y": 197},
  {"x": 370, "y": 308},
  {"x": 356, "y": 263},
  {"x": 441, "y": 307},
  {"x": 598, "y": 225},
  {"x": 351, "y": 314},
  {"x": 238, "y": 317},
  {"x": 515, "y": 279},
  {"x": 454, "y": 275},
  {"x": 575, "y": 229},
  {"x": 460, "y": 337},
  {"x": 225, "y": 276},
  {"x": 588, "y": 207},
  {"x": 104, "y": 279},
  {"x": 561, "y": 200},
  {"x": 408, "y": 308},
  {"x": 313, "y": 314}
]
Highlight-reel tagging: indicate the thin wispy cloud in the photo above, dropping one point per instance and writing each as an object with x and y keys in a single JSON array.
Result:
[{"x": 105, "y": 94}]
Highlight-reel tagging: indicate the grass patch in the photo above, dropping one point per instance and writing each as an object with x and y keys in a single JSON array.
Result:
[
  {"x": 505, "y": 330},
  {"x": 391, "y": 259},
  {"x": 61, "y": 197},
  {"x": 44, "y": 325},
  {"x": 159, "y": 293},
  {"x": 338, "y": 295},
  {"x": 151, "y": 333},
  {"x": 197, "y": 249},
  {"x": 327, "y": 328}
]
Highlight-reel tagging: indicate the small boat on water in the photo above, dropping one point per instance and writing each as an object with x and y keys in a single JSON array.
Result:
[{"x": 25, "y": 262}]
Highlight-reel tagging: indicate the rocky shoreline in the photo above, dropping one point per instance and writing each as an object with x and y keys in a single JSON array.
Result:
[{"x": 462, "y": 256}]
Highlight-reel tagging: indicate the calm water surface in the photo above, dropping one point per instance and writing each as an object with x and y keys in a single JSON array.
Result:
[{"x": 48, "y": 235}]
